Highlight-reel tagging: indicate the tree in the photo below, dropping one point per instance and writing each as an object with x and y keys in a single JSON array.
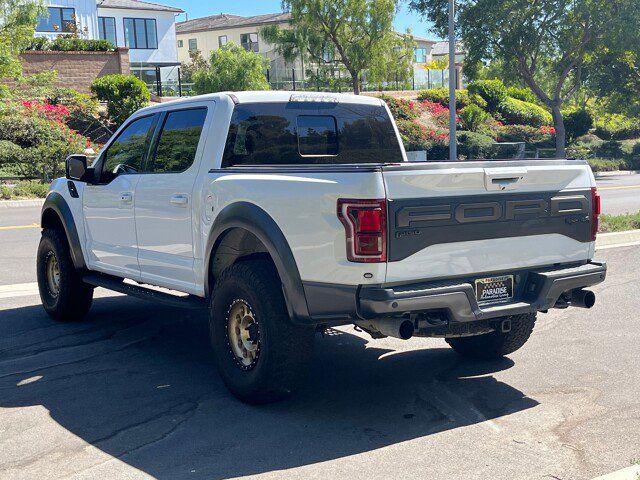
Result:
[
  {"x": 357, "y": 34},
  {"x": 545, "y": 43},
  {"x": 231, "y": 68},
  {"x": 196, "y": 62},
  {"x": 18, "y": 20},
  {"x": 614, "y": 69}
]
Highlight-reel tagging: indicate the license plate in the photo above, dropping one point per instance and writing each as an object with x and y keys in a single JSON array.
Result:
[{"x": 495, "y": 289}]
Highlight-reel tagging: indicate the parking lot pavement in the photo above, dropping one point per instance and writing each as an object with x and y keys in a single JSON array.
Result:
[{"x": 133, "y": 393}]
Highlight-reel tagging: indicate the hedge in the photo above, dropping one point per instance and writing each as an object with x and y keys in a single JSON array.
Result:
[
  {"x": 65, "y": 44},
  {"x": 441, "y": 96},
  {"x": 524, "y": 94},
  {"x": 124, "y": 94},
  {"x": 517, "y": 112},
  {"x": 475, "y": 145},
  {"x": 617, "y": 127},
  {"x": 493, "y": 92}
]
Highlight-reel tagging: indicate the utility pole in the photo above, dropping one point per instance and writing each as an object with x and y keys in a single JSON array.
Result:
[{"x": 453, "y": 144}]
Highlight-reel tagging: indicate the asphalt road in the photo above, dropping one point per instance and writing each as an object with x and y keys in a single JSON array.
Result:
[
  {"x": 620, "y": 194},
  {"x": 133, "y": 393}
]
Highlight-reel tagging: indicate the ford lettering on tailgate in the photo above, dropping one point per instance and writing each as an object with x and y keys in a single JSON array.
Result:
[{"x": 419, "y": 223}]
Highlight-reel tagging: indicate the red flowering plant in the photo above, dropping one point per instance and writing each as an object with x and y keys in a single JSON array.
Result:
[
  {"x": 546, "y": 130},
  {"x": 439, "y": 113},
  {"x": 58, "y": 113}
]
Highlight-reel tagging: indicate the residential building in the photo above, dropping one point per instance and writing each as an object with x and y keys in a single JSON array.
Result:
[
  {"x": 147, "y": 29},
  {"x": 210, "y": 33},
  {"x": 431, "y": 63}
]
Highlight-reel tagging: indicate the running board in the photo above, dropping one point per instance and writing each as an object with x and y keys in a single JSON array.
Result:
[{"x": 117, "y": 285}]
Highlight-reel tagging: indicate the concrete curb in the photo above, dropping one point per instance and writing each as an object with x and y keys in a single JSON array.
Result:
[
  {"x": 618, "y": 239},
  {"x": 21, "y": 203},
  {"x": 616, "y": 172},
  {"x": 630, "y": 473}
]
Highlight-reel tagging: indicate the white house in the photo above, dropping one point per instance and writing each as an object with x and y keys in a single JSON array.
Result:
[{"x": 147, "y": 29}]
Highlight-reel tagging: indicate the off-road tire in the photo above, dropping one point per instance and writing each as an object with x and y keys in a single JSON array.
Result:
[
  {"x": 496, "y": 344},
  {"x": 284, "y": 348},
  {"x": 72, "y": 300}
]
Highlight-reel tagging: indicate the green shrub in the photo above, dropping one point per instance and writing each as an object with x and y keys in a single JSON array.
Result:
[
  {"x": 441, "y": 96},
  {"x": 44, "y": 144},
  {"x": 401, "y": 109},
  {"x": 524, "y": 133},
  {"x": 231, "y": 68},
  {"x": 68, "y": 44},
  {"x": 635, "y": 151},
  {"x": 124, "y": 94},
  {"x": 524, "y": 94},
  {"x": 38, "y": 43},
  {"x": 33, "y": 188},
  {"x": 517, "y": 112},
  {"x": 475, "y": 145},
  {"x": 577, "y": 123},
  {"x": 473, "y": 117},
  {"x": 607, "y": 164},
  {"x": 79, "y": 104},
  {"x": 617, "y": 127},
  {"x": 10, "y": 153},
  {"x": 493, "y": 92},
  {"x": 5, "y": 192}
]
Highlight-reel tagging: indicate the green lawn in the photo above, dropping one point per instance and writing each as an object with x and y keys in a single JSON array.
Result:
[{"x": 619, "y": 223}]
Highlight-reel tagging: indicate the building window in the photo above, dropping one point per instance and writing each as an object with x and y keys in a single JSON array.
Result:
[
  {"x": 140, "y": 33},
  {"x": 180, "y": 43},
  {"x": 420, "y": 55},
  {"x": 222, "y": 40},
  {"x": 249, "y": 42},
  {"x": 193, "y": 44},
  {"x": 58, "y": 20},
  {"x": 107, "y": 29}
]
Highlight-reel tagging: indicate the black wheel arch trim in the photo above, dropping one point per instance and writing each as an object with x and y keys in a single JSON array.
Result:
[
  {"x": 56, "y": 203},
  {"x": 255, "y": 220}
]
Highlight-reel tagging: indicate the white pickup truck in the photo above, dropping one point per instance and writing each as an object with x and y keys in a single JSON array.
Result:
[{"x": 286, "y": 213}]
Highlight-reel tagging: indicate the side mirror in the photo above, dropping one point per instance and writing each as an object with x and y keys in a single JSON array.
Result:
[{"x": 76, "y": 166}]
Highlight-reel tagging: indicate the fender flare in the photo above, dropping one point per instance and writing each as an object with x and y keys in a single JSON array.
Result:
[
  {"x": 255, "y": 220},
  {"x": 56, "y": 203}
]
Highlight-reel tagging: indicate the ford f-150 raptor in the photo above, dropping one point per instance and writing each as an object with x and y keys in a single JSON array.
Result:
[{"x": 287, "y": 213}]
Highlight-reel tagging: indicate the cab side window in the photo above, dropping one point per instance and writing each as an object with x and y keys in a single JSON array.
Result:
[
  {"x": 178, "y": 142},
  {"x": 126, "y": 154}
]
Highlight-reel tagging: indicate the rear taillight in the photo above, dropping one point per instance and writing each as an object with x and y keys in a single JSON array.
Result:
[
  {"x": 365, "y": 222},
  {"x": 596, "y": 208}
]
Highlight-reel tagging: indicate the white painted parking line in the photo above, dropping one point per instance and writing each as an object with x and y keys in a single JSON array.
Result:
[{"x": 18, "y": 290}]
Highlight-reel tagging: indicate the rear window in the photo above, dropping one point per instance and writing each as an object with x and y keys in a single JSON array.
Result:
[{"x": 298, "y": 133}]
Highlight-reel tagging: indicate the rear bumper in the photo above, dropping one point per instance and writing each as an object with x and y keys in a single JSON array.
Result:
[{"x": 537, "y": 290}]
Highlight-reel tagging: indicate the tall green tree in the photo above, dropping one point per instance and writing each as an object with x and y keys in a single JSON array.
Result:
[
  {"x": 358, "y": 34},
  {"x": 18, "y": 20},
  {"x": 231, "y": 68},
  {"x": 545, "y": 43}
]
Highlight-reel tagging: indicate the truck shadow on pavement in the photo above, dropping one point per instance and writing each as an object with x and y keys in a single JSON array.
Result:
[{"x": 137, "y": 381}]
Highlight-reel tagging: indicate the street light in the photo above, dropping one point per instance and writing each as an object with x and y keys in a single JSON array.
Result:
[{"x": 453, "y": 143}]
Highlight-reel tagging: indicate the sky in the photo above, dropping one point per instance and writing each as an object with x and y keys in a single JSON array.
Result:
[{"x": 200, "y": 8}]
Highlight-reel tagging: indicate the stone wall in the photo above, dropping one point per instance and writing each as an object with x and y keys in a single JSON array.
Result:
[{"x": 77, "y": 69}]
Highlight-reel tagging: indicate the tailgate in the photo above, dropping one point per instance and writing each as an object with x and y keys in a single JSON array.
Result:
[{"x": 449, "y": 220}]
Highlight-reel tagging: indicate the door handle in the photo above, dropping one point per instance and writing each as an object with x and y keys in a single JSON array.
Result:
[
  {"x": 179, "y": 200},
  {"x": 126, "y": 197}
]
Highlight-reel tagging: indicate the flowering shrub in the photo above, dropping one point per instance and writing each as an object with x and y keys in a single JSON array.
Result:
[
  {"x": 402, "y": 109},
  {"x": 57, "y": 113},
  {"x": 35, "y": 138}
]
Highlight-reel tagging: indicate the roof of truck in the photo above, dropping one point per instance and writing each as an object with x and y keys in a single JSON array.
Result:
[{"x": 277, "y": 97}]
